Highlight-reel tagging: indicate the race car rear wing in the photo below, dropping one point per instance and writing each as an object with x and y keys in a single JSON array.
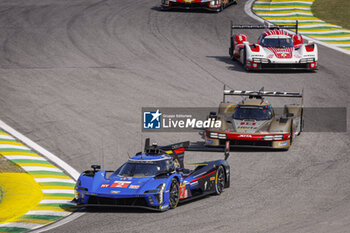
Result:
[
  {"x": 266, "y": 26},
  {"x": 262, "y": 93},
  {"x": 177, "y": 150}
]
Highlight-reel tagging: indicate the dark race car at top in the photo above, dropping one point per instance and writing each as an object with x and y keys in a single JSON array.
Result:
[
  {"x": 253, "y": 122},
  {"x": 210, "y": 5},
  {"x": 275, "y": 49},
  {"x": 155, "y": 179}
]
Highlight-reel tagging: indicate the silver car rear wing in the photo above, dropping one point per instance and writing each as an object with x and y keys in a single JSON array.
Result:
[{"x": 263, "y": 93}]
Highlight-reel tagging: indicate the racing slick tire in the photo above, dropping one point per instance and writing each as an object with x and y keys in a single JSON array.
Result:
[
  {"x": 301, "y": 129},
  {"x": 220, "y": 181},
  {"x": 245, "y": 59},
  {"x": 291, "y": 134},
  {"x": 174, "y": 194}
]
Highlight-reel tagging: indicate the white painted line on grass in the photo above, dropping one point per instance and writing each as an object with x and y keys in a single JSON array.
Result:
[
  {"x": 10, "y": 146},
  {"x": 61, "y": 201},
  {"x": 44, "y": 180},
  {"x": 8, "y": 137},
  {"x": 33, "y": 168},
  {"x": 57, "y": 191},
  {"x": 48, "y": 212},
  {"x": 24, "y": 157}
]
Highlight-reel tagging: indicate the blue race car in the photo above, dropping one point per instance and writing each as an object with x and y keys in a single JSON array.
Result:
[{"x": 155, "y": 179}]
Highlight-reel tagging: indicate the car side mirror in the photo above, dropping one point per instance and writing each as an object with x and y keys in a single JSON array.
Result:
[{"x": 95, "y": 167}]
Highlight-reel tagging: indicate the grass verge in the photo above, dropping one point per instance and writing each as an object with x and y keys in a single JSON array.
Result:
[{"x": 333, "y": 11}]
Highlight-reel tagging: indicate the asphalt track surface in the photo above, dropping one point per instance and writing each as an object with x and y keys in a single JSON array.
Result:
[{"x": 74, "y": 75}]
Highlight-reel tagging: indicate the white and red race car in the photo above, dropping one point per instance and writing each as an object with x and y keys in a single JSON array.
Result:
[
  {"x": 275, "y": 49},
  {"x": 211, "y": 5}
]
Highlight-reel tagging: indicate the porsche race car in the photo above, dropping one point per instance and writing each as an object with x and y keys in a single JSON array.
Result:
[
  {"x": 211, "y": 5},
  {"x": 155, "y": 179},
  {"x": 253, "y": 122},
  {"x": 275, "y": 49}
]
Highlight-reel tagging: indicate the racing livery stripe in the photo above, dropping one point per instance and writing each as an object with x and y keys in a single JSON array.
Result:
[
  {"x": 202, "y": 176},
  {"x": 56, "y": 187},
  {"x": 288, "y": 11}
]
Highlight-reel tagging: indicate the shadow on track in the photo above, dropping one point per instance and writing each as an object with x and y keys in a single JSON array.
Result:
[{"x": 236, "y": 66}]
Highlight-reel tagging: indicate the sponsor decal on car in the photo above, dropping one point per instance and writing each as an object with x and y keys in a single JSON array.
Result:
[
  {"x": 183, "y": 191},
  {"x": 283, "y": 143},
  {"x": 134, "y": 186},
  {"x": 104, "y": 185},
  {"x": 209, "y": 141},
  {"x": 120, "y": 184},
  {"x": 115, "y": 191},
  {"x": 245, "y": 136},
  {"x": 194, "y": 183},
  {"x": 212, "y": 178}
]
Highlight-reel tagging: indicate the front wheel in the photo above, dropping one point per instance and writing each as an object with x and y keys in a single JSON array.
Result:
[
  {"x": 220, "y": 181},
  {"x": 174, "y": 194}
]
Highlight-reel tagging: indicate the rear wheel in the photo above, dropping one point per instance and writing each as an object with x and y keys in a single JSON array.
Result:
[
  {"x": 174, "y": 194},
  {"x": 301, "y": 122},
  {"x": 291, "y": 134},
  {"x": 220, "y": 181},
  {"x": 245, "y": 59}
]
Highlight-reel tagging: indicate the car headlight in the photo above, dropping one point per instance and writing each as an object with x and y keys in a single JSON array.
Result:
[
  {"x": 76, "y": 194},
  {"x": 217, "y": 135},
  {"x": 273, "y": 137},
  {"x": 161, "y": 189},
  {"x": 212, "y": 3}
]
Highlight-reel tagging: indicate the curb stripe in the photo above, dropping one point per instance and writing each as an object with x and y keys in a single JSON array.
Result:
[
  {"x": 13, "y": 229},
  {"x": 46, "y": 180},
  {"x": 48, "y": 201},
  {"x": 26, "y": 225},
  {"x": 34, "y": 161},
  {"x": 55, "y": 184},
  {"x": 15, "y": 157},
  {"x": 48, "y": 213},
  {"x": 43, "y": 217},
  {"x": 47, "y": 195},
  {"x": 58, "y": 191},
  {"x": 37, "y": 221},
  {"x": 37, "y": 168}
]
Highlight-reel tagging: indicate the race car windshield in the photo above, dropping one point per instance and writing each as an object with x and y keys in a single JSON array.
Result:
[
  {"x": 143, "y": 169},
  {"x": 277, "y": 42},
  {"x": 259, "y": 113}
]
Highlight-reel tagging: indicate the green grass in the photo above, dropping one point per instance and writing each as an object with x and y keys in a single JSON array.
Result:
[{"x": 333, "y": 11}]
